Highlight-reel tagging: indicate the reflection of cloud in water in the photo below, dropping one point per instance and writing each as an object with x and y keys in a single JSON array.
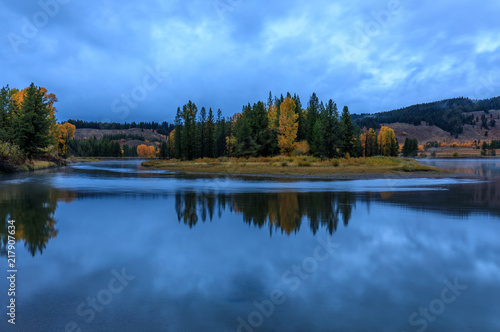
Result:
[{"x": 390, "y": 262}]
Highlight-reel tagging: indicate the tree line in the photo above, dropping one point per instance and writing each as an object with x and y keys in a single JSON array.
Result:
[
  {"x": 280, "y": 126},
  {"x": 104, "y": 147},
  {"x": 163, "y": 128}
]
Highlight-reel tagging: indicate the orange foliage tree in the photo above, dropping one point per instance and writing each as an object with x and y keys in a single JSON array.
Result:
[
  {"x": 171, "y": 143},
  {"x": 387, "y": 142},
  {"x": 288, "y": 126},
  {"x": 145, "y": 151},
  {"x": 66, "y": 131}
]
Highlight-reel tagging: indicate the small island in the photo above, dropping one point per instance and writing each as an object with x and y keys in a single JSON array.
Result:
[{"x": 303, "y": 167}]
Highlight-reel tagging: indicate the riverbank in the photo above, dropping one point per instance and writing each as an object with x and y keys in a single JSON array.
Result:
[
  {"x": 456, "y": 153},
  {"x": 302, "y": 167},
  {"x": 30, "y": 166}
]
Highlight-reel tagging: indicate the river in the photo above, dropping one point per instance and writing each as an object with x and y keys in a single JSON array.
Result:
[{"x": 112, "y": 246}]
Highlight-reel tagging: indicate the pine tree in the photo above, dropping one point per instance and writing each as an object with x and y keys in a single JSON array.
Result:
[
  {"x": 346, "y": 133},
  {"x": 201, "y": 134},
  {"x": 221, "y": 134},
  {"x": 317, "y": 147},
  {"x": 331, "y": 130},
  {"x": 210, "y": 135},
  {"x": 33, "y": 123},
  {"x": 302, "y": 130},
  {"x": 5, "y": 124},
  {"x": 312, "y": 116},
  {"x": 272, "y": 126},
  {"x": 410, "y": 148},
  {"x": 116, "y": 150},
  {"x": 395, "y": 147},
  {"x": 244, "y": 133},
  {"x": 260, "y": 130},
  {"x": 188, "y": 138},
  {"x": 163, "y": 150},
  {"x": 178, "y": 135},
  {"x": 126, "y": 150}
]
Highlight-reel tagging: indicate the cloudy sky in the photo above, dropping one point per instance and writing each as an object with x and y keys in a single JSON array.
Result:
[{"x": 131, "y": 61}]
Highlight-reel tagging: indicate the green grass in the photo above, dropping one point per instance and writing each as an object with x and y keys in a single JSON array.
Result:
[
  {"x": 35, "y": 165},
  {"x": 81, "y": 159}
]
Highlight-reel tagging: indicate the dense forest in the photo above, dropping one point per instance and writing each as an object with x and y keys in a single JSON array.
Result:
[
  {"x": 280, "y": 126},
  {"x": 449, "y": 115}
]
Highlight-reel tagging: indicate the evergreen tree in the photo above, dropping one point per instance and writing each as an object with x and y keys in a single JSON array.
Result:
[
  {"x": 317, "y": 147},
  {"x": 210, "y": 135},
  {"x": 33, "y": 123},
  {"x": 188, "y": 138},
  {"x": 201, "y": 134},
  {"x": 177, "y": 135},
  {"x": 163, "y": 150},
  {"x": 346, "y": 133},
  {"x": 272, "y": 126},
  {"x": 331, "y": 130},
  {"x": 126, "y": 150},
  {"x": 221, "y": 134},
  {"x": 302, "y": 130},
  {"x": 260, "y": 129},
  {"x": 116, "y": 150},
  {"x": 5, "y": 124},
  {"x": 312, "y": 116},
  {"x": 395, "y": 147},
  {"x": 410, "y": 148},
  {"x": 245, "y": 141}
]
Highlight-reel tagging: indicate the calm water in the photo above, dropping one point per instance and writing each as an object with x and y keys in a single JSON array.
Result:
[{"x": 111, "y": 246}]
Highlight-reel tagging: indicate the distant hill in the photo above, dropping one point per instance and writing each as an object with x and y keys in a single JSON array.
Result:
[
  {"x": 449, "y": 115},
  {"x": 132, "y": 137},
  {"x": 131, "y": 134}
]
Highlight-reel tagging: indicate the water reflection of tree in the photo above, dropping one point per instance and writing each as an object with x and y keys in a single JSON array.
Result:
[
  {"x": 33, "y": 210},
  {"x": 278, "y": 211}
]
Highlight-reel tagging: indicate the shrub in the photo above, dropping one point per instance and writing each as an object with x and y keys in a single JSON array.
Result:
[
  {"x": 304, "y": 163},
  {"x": 11, "y": 154},
  {"x": 301, "y": 148}
]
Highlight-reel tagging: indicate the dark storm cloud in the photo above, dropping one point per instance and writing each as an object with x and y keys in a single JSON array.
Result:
[{"x": 371, "y": 55}]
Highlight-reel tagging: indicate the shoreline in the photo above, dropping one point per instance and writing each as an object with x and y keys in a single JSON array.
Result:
[
  {"x": 35, "y": 165},
  {"x": 326, "y": 177},
  {"x": 341, "y": 169}
]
